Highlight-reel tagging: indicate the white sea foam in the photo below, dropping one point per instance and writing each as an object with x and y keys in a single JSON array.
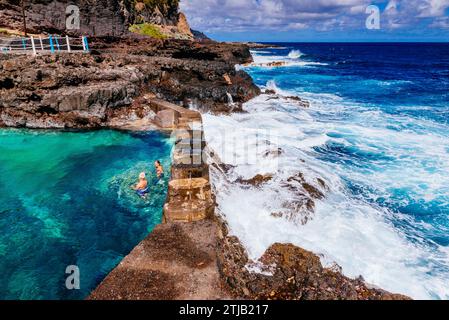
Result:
[
  {"x": 357, "y": 234},
  {"x": 253, "y": 52},
  {"x": 295, "y": 54},
  {"x": 258, "y": 267},
  {"x": 292, "y": 59}
]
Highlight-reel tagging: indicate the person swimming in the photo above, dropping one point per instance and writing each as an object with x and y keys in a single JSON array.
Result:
[
  {"x": 159, "y": 169},
  {"x": 141, "y": 187}
]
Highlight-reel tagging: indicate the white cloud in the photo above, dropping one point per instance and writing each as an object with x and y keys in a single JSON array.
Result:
[
  {"x": 440, "y": 23},
  {"x": 280, "y": 15},
  {"x": 434, "y": 8},
  {"x": 296, "y": 26}
]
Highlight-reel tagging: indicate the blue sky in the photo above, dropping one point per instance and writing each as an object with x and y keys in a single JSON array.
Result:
[{"x": 318, "y": 20}]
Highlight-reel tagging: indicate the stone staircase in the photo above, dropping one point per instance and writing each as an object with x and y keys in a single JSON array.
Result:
[{"x": 189, "y": 195}]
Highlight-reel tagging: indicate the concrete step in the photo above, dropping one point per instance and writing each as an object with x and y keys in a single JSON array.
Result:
[
  {"x": 190, "y": 117},
  {"x": 190, "y": 171},
  {"x": 182, "y": 211},
  {"x": 191, "y": 143},
  {"x": 188, "y": 133},
  {"x": 187, "y": 156},
  {"x": 189, "y": 189}
]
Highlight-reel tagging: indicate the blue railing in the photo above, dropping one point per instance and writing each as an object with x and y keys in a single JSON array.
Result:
[{"x": 43, "y": 45}]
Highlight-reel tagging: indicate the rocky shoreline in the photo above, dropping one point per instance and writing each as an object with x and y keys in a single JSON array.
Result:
[
  {"x": 105, "y": 88},
  {"x": 112, "y": 87}
]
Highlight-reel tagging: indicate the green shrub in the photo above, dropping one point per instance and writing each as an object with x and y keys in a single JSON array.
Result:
[{"x": 147, "y": 29}]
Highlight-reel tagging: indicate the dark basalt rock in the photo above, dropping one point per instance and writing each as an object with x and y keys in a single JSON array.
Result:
[
  {"x": 200, "y": 36},
  {"x": 87, "y": 90},
  {"x": 256, "y": 180},
  {"x": 300, "y": 207},
  {"x": 291, "y": 273},
  {"x": 101, "y": 17},
  {"x": 97, "y": 18},
  {"x": 313, "y": 191},
  {"x": 6, "y": 83}
]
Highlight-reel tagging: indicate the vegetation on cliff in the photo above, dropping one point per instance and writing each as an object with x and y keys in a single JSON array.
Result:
[{"x": 147, "y": 29}]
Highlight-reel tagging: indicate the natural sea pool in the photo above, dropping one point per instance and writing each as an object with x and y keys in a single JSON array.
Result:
[{"x": 65, "y": 199}]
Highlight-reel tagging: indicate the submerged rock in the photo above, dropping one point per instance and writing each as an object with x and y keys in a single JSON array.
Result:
[
  {"x": 256, "y": 181},
  {"x": 301, "y": 205},
  {"x": 301, "y": 102},
  {"x": 297, "y": 100},
  {"x": 269, "y": 91},
  {"x": 298, "y": 179}
]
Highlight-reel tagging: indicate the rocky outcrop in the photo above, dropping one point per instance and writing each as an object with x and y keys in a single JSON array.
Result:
[
  {"x": 200, "y": 260},
  {"x": 160, "y": 12},
  {"x": 287, "y": 272},
  {"x": 93, "y": 90},
  {"x": 182, "y": 25},
  {"x": 256, "y": 181},
  {"x": 199, "y": 36},
  {"x": 99, "y": 17}
]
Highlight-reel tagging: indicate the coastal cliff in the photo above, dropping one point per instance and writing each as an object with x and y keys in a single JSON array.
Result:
[
  {"x": 96, "y": 18},
  {"x": 95, "y": 90}
]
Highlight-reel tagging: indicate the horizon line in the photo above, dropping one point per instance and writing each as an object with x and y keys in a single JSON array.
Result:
[{"x": 249, "y": 41}]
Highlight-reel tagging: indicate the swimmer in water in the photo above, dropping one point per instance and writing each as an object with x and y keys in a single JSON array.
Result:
[
  {"x": 159, "y": 169},
  {"x": 141, "y": 187}
]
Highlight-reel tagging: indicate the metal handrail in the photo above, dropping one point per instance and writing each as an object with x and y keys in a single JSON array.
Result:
[{"x": 51, "y": 44}]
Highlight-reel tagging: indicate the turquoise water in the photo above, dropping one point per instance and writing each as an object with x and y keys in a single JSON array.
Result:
[{"x": 65, "y": 200}]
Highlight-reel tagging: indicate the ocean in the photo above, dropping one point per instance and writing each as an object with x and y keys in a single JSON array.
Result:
[
  {"x": 377, "y": 134},
  {"x": 65, "y": 199}
]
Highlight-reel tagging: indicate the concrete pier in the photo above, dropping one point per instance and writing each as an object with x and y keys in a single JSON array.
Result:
[
  {"x": 178, "y": 260},
  {"x": 189, "y": 193}
]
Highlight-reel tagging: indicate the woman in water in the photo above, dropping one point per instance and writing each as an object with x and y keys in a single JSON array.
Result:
[{"x": 159, "y": 169}]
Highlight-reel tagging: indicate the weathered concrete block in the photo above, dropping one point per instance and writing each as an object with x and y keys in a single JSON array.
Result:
[
  {"x": 188, "y": 212},
  {"x": 190, "y": 171},
  {"x": 187, "y": 189},
  {"x": 166, "y": 118},
  {"x": 191, "y": 143}
]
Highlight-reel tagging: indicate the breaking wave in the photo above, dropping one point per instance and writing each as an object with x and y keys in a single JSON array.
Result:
[{"x": 384, "y": 215}]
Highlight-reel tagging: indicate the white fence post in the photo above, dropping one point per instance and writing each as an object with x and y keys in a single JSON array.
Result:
[
  {"x": 39, "y": 45},
  {"x": 68, "y": 43},
  {"x": 32, "y": 45}
]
